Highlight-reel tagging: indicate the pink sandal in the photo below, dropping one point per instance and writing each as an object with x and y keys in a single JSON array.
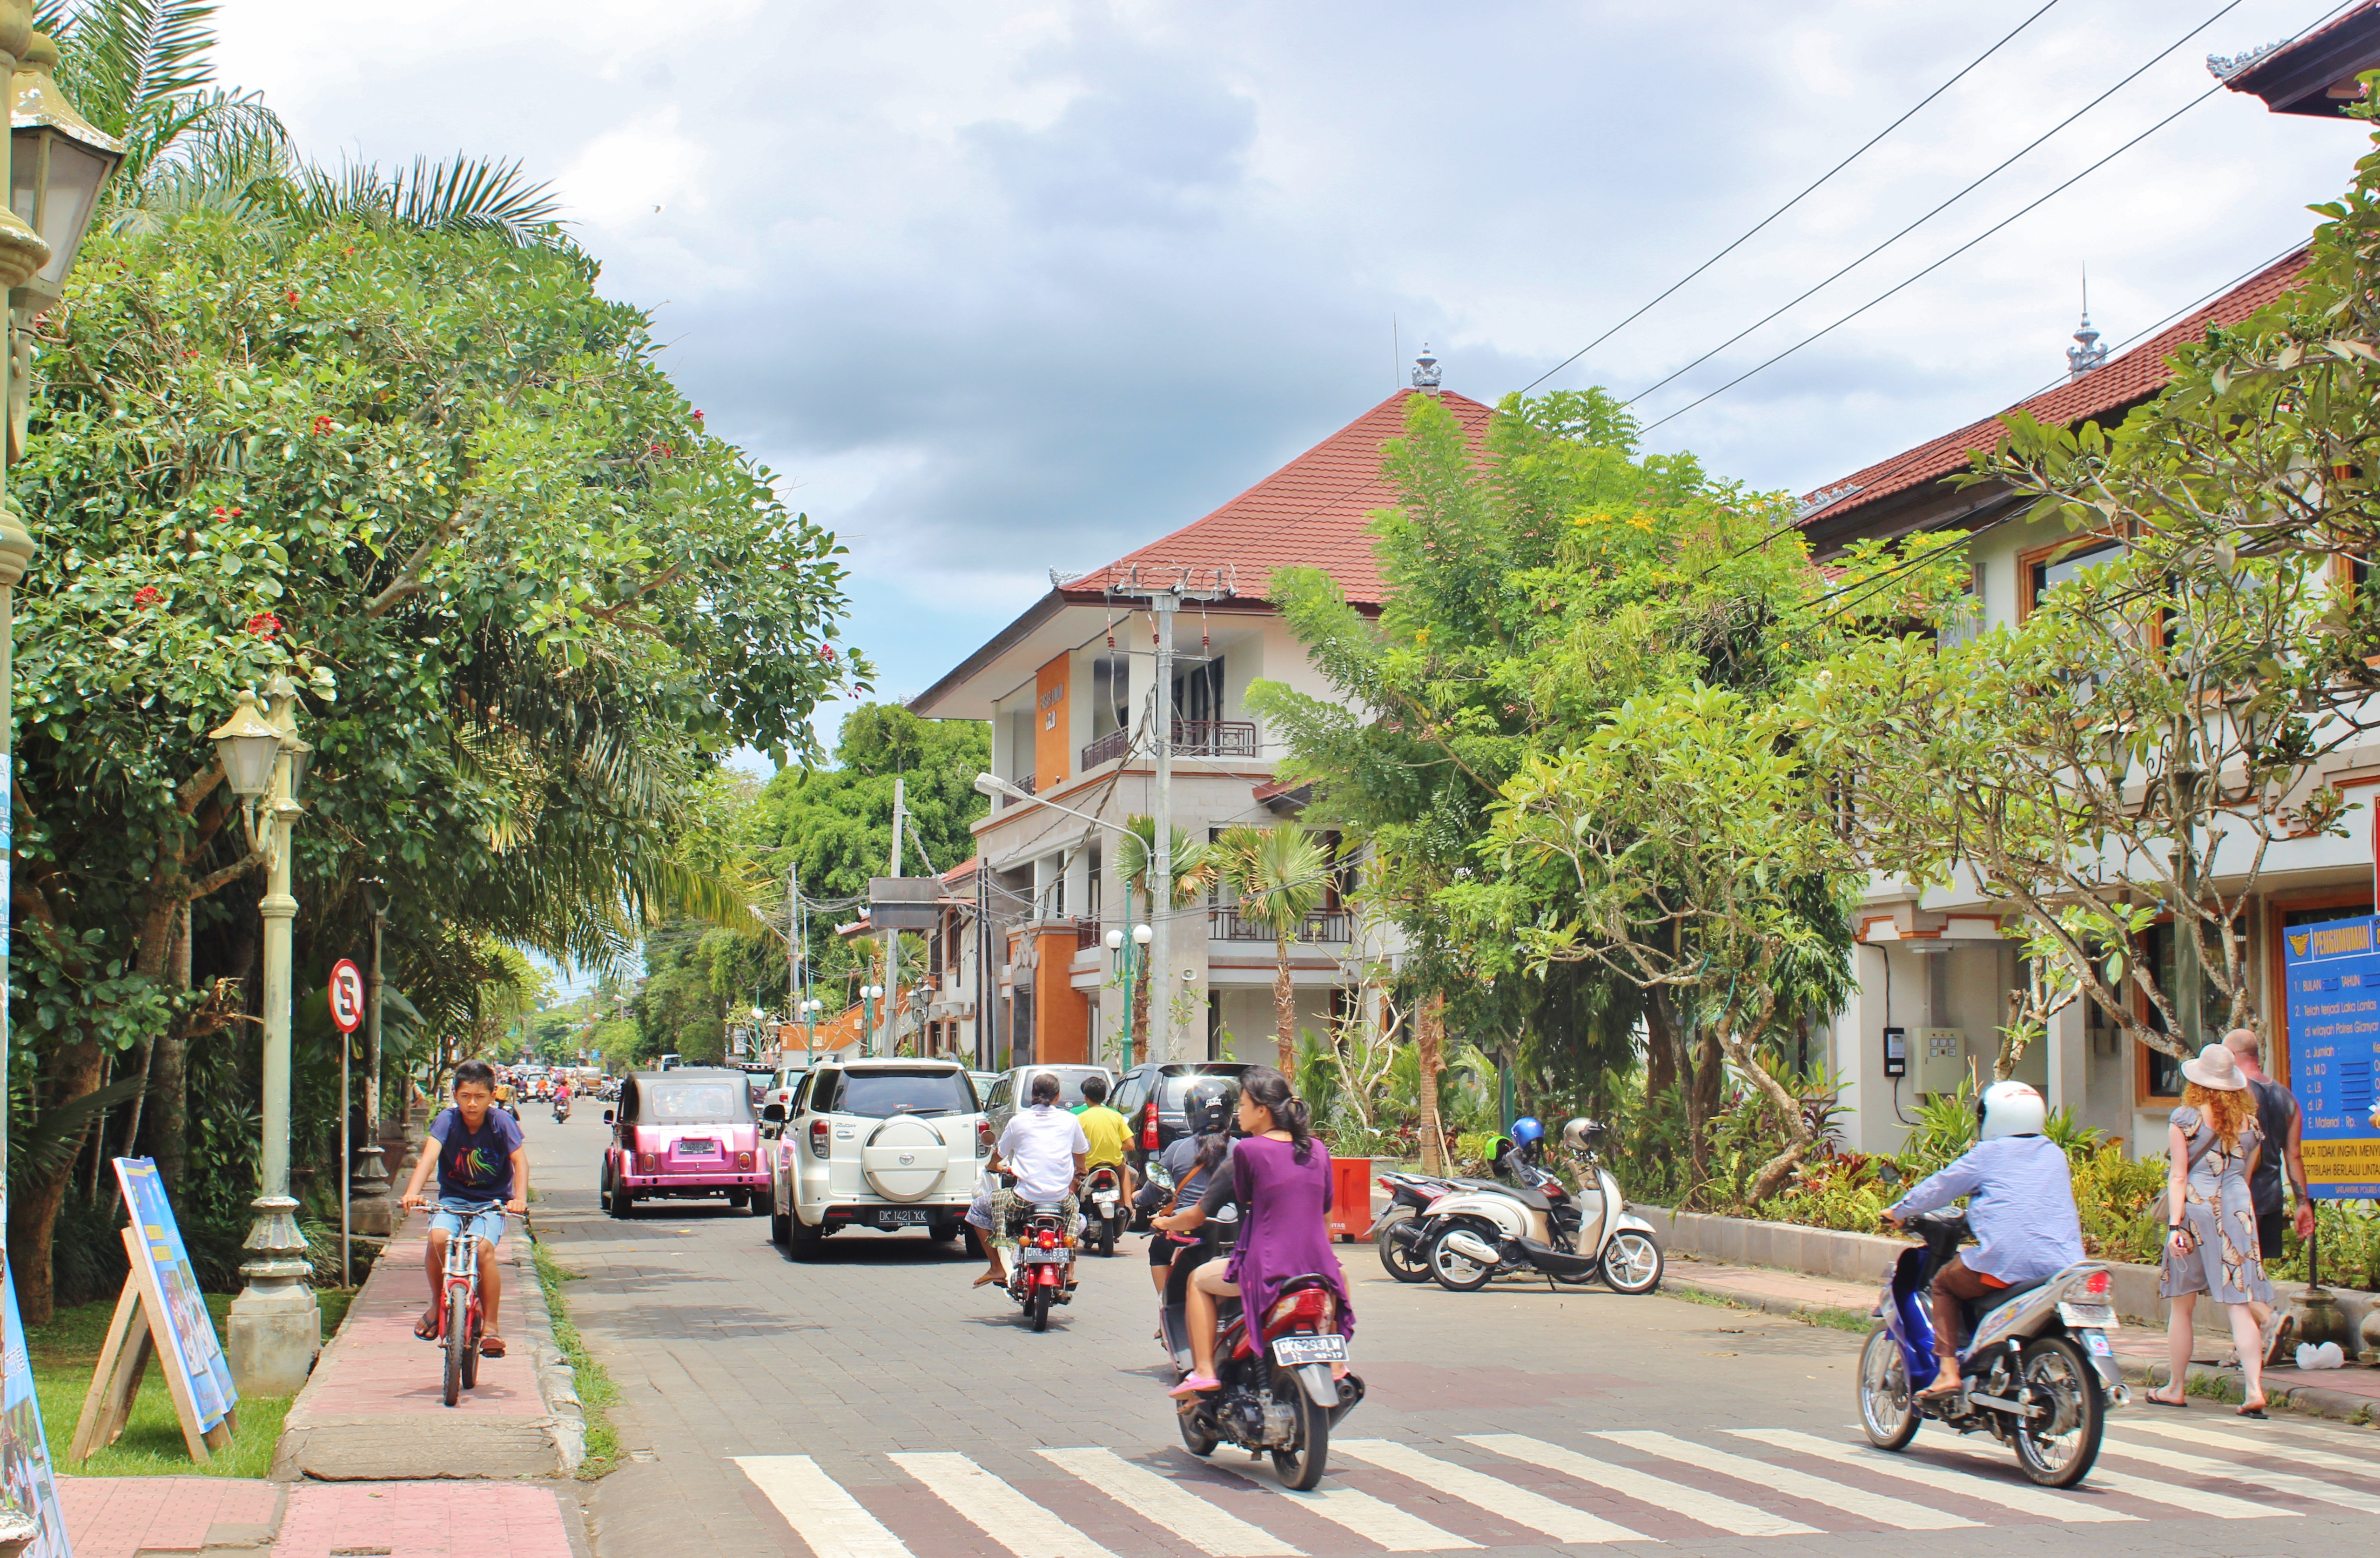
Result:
[{"x": 1197, "y": 1384}]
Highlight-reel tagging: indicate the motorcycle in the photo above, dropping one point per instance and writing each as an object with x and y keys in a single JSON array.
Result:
[
  {"x": 2039, "y": 1372},
  {"x": 1410, "y": 1197},
  {"x": 1277, "y": 1395},
  {"x": 1104, "y": 1204},
  {"x": 1484, "y": 1230},
  {"x": 561, "y": 1111},
  {"x": 1043, "y": 1272}
]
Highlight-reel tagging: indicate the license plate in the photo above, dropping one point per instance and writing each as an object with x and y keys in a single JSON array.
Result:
[
  {"x": 2093, "y": 1317},
  {"x": 697, "y": 1149},
  {"x": 1044, "y": 1257},
  {"x": 2095, "y": 1343},
  {"x": 895, "y": 1219},
  {"x": 1291, "y": 1351},
  {"x": 1106, "y": 1205}
]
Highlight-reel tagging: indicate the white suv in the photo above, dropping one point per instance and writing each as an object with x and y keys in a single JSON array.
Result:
[{"x": 876, "y": 1144}]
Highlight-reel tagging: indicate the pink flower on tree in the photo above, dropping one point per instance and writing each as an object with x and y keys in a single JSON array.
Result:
[
  {"x": 264, "y": 624},
  {"x": 146, "y": 596}
]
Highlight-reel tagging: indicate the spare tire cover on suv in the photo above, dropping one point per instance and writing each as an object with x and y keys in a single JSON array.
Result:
[{"x": 904, "y": 1159}]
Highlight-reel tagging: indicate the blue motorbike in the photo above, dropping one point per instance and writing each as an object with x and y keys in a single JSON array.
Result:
[{"x": 2039, "y": 1373}]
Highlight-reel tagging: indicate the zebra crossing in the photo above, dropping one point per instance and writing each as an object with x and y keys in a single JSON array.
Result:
[{"x": 1485, "y": 1492}]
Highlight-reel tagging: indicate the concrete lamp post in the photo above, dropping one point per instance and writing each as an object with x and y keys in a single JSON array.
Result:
[
  {"x": 57, "y": 165},
  {"x": 868, "y": 996},
  {"x": 275, "y": 1327}
]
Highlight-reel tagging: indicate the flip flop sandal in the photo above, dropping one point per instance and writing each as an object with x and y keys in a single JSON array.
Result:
[
  {"x": 2155, "y": 1400},
  {"x": 426, "y": 1327},
  {"x": 2255, "y": 1412},
  {"x": 492, "y": 1347}
]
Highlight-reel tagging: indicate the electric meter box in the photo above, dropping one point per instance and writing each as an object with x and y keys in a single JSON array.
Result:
[{"x": 1938, "y": 1060}]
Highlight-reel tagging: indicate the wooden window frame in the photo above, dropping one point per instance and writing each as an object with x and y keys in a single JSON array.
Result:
[
  {"x": 2033, "y": 558},
  {"x": 2141, "y": 1097}
]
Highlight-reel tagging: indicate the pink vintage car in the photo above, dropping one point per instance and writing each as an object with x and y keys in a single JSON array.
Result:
[{"x": 683, "y": 1133}]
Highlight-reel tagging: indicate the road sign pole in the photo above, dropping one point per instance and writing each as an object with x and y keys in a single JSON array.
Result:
[{"x": 347, "y": 1000}]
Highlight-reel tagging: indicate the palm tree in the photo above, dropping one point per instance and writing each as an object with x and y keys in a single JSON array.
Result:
[
  {"x": 1193, "y": 872},
  {"x": 139, "y": 70},
  {"x": 1280, "y": 875}
]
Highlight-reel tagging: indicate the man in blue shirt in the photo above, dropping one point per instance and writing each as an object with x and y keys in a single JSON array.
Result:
[
  {"x": 482, "y": 1173},
  {"x": 2020, "y": 1208}
]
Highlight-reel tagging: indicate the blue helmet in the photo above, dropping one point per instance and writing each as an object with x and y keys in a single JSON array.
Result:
[{"x": 1528, "y": 1131}]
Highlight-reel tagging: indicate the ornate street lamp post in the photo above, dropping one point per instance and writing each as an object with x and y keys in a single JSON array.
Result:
[
  {"x": 868, "y": 996},
  {"x": 275, "y": 1327}
]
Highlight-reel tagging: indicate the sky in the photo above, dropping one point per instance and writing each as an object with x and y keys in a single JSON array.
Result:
[{"x": 996, "y": 289}]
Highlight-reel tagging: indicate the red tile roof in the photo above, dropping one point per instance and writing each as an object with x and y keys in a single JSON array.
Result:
[
  {"x": 2122, "y": 382},
  {"x": 1312, "y": 512}
]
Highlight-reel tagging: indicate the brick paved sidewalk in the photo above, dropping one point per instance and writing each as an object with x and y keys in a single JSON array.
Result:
[
  {"x": 125, "y": 1517},
  {"x": 2352, "y": 1393}
]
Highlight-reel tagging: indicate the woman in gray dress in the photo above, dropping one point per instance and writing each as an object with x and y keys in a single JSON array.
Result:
[{"x": 2211, "y": 1149}]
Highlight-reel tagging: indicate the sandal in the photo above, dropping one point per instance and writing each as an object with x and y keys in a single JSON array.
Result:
[
  {"x": 1196, "y": 1384},
  {"x": 987, "y": 1279},
  {"x": 426, "y": 1327},
  {"x": 2256, "y": 1411},
  {"x": 2155, "y": 1400},
  {"x": 492, "y": 1347}
]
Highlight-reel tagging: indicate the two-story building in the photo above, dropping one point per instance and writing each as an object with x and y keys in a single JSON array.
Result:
[
  {"x": 1069, "y": 690},
  {"x": 1935, "y": 965}
]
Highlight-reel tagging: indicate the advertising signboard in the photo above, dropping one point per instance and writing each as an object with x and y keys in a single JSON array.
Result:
[
  {"x": 24, "y": 1452},
  {"x": 2332, "y": 974}
]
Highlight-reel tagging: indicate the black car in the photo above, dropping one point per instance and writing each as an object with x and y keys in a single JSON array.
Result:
[{"x": 1149, "y": 1098}]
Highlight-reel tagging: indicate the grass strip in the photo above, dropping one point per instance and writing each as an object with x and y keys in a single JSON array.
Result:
[
  {"x": 595, "y": 1390},
  {"x": 65, "y": 1351}
]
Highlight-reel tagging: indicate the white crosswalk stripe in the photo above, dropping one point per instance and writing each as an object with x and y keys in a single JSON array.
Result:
[
  {"x": 1004, "y": 1515},
  {"x": 1205, "y": 1526},
  {"x": 2024, "y": 1499},
  {"x": 1859, "y": 1502},
  {"x": 2312, "y": 1488},
  {"x": 833, "y": 1523},
  {"x": 1375, "y": 1520},
  {"x": 1709, "y": 1509},
  {"x": 2286, "y": 1447},
  {"x": 1518, "y": 1505}
]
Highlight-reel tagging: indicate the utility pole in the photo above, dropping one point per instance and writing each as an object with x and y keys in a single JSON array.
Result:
[
  {"x": 985, "y": 983},
  {"x": 1164, "y": 604},
  {"x": 892, "y": 938}
]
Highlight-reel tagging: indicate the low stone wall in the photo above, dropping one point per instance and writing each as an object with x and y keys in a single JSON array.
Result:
[{"x": 1865, "y": 1258}]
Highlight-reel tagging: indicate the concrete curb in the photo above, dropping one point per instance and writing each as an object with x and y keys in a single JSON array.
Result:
[
  {"x": 1762, "y": 1302},
  {"x": 557, "y": 1382},
  {"x": 2230, "y": 1385}
]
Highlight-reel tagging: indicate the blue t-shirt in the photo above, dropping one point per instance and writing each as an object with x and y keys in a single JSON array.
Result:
[{"x": 476, "y": 1165}]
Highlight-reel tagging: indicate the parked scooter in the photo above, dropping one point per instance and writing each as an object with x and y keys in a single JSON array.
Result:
[
  {"x": 1484, "y": 1230},
  {"x": 1043, "y": 1272},
  {"x": 1410, "y": 1197},
  {"x": 1277, "y": 1395},
  {"x": 1103, "y": 1203},
  {"x": 2039, "y": 1371}
]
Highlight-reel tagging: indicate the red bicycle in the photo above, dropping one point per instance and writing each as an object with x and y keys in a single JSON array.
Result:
[{"x": 461, "y": 1320}]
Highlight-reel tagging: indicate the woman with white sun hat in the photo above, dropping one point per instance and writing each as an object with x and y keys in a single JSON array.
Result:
[{"x": 2211, "y": 1143}]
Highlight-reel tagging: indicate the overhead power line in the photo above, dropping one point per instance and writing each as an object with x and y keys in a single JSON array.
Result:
[
  {"x": 1807, "y": 190},
  {"x": 2003, "y": 166}
]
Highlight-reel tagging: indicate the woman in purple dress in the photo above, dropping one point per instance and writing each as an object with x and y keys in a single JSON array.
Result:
[{"x": 1280, "y": 1178}]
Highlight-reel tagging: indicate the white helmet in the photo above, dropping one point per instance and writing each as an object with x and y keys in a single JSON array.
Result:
[{"x": 2010, "y": 1109}]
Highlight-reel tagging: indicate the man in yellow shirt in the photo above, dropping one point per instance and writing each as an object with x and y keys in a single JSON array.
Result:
[{"x": 1109, "y": 1133}]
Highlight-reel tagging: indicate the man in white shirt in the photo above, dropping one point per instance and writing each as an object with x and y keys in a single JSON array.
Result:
[{"x": 1045, "y": 1147}]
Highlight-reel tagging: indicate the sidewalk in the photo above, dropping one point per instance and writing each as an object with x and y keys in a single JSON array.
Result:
[
  {"x": 2351, "y": 1394},
  {"x": 371, "y": 1460}
]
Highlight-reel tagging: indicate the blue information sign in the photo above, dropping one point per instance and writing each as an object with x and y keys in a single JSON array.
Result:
[{"x": 2332, "y": 972}]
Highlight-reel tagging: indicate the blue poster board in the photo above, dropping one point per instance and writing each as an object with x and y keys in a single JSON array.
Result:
[
  {"x": 2332, "y": 972},
  {"x": 196, "y": 1356},
  {"x": 24, "y": 1450}
]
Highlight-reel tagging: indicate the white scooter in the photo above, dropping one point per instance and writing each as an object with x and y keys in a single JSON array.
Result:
[{"x": 1484, "y": 1230}]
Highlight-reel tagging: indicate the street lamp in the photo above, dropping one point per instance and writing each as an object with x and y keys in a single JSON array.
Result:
[
  {"x": 275, "y": 1327},
  {"x": 58, "y": 162},
  {"x": 868, "y": 996}
]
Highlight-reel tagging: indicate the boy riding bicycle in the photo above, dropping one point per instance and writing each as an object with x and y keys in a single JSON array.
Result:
[{"x": 483, "y": 1173}]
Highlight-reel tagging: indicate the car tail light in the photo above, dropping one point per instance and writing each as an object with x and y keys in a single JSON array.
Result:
[
  {"x": 744, "y": 1159},
  {"x": 818, "y": 1139},
  {"x": 647, "y": 1163},
  {"x": 1307, "y": 1303},
  {"x": 2097, "y": 1283},
  {"x": 983, "y": 1138},
  {"x": 1048, "y": 1239},
  {"x": 1148, "y": 1128}
]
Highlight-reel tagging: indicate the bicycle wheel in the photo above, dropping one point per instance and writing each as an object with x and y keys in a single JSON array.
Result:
[
  {"x": 459, "y": 1340},
  {"x": 471, "y": 1357}
]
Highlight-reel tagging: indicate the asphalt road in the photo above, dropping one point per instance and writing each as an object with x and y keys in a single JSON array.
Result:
[{"x": 871, "y": 1405}]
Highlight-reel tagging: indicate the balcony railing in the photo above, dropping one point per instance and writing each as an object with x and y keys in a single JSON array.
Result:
[
  {"x": 1022, "y": 781},
  {"x": 1322, "y": 925},
  {"x": 1115, "y": 744},
  {"x": 1087, "y": 934},
  {"x": 1215, "y": 739}
]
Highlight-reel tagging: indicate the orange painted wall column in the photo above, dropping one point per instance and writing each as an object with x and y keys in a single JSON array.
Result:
[
  {"x": 1061, "y": 1015},
  {"x": 1053, "y": 760}
]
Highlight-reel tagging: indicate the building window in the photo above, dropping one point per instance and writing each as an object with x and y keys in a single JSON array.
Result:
[
  {"x": 1199, "y": 691},
  {"x": 2044, "y": 568}
]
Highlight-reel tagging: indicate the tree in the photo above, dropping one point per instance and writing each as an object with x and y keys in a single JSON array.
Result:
[
  {"x": 1280, "y": 875},
  {"x": 1193, "y": 868}
]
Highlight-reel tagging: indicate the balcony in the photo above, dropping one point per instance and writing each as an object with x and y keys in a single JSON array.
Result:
[
  {"x": 1022, "y": 781},
  {"x": 1322, "y": 925},
  {"x": 1087, "y": 934},
  {"x": 1192, "y": 739}
]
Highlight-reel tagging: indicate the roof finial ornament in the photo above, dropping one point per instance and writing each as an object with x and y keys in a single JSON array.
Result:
[
  {"x": 2087, "y": 353},
  {"x": 1425, "y": 373}
]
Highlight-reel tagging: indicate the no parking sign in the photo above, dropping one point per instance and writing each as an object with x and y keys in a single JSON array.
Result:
[{"x": 347, "y": 995}]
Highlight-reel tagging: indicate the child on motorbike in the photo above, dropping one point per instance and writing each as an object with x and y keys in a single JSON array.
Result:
[{"x": 1281, "y": 1180}]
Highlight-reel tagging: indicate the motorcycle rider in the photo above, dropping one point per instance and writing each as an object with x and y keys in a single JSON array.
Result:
[
  {"x": 1045, "y": 1147},
  {"x": 1207, "y": 1111},
  {"x": 1109, "y": 1133},
  {"x": 2021, "y": 1208}
]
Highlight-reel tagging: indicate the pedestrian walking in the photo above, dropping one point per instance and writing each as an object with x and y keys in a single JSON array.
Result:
[
  {"x": 2212, "y": 1144},
  {"x": 2283, "y": 1123}
]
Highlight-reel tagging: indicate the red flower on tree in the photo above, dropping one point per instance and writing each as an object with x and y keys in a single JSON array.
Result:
[
  {"x": 293, "y": 297},
  {"x": 826, "y": 653},
  {"x": 323, "y": 423},
  {"x": 264, "y": 624},
  {"x": 146, "y": 596}
]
